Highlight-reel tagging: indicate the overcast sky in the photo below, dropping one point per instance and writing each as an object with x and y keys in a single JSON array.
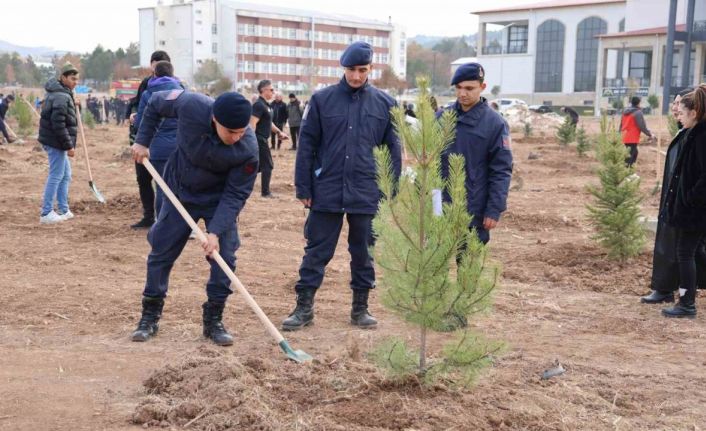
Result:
[{"x": 80, "y": 25}]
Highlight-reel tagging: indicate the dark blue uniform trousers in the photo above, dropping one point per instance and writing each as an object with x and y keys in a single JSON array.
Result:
[
  {"x": 321, "y": 231},
  {"x": 169, "y": 235}
]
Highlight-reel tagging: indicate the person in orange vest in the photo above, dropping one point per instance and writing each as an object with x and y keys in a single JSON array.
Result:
[{"x": 632, "y": 124}]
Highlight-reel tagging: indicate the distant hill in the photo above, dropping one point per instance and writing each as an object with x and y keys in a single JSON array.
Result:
[
  {"x": 429, "y": 41},
  {"x": 35, "y": 52}
]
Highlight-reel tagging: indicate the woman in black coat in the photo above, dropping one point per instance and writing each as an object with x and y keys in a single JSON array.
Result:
[{"x": 685, "y": 205}]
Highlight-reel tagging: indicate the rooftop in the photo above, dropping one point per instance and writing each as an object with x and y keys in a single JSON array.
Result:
[
  {"x": 552, "y": 4},
  {"x": 643, "y": 32}
]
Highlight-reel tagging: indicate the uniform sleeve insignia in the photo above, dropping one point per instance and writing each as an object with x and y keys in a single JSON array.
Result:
[
  {"x": 174, "y": 94},
  {"x": 507, "y": 140},
  {"x": 250, "y": 168}
]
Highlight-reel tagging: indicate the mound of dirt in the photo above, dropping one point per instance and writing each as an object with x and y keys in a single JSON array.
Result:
[
  {"x": 120, "y": 202},
  {"x": 212, "y": 390}
]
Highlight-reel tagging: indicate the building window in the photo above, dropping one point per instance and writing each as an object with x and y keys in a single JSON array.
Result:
[
  {"x": 517, "y": 40},
  {"x": 162, "y": 43},
  {"x": 198, "y": 42},
  {"x": 199, "y": 22},
  {"x": 587, "y": 53},
  {"x": 549, "y": 62},
  {"x": 214, "y": 28},
  {"x": 161, "y": 23},
  {"x": 640, "y": 67},
  {"x": 214, "y": 47}
]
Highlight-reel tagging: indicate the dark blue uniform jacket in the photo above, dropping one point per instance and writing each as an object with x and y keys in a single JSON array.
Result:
[
  {"x": 483, "y": 139},
  {"x": 203, "y": 170},
  {"x": 164, "y": 140},
  {"x": 335, "y": 164}
]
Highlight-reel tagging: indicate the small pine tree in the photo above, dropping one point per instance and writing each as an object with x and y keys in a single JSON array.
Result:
[
  {"x": 88, "y": 119},
  {"x": 582, "y": 142},
  {"x": 418, "y": 244},
  {"x": 527, "y": 130},
  {"x": 565, "y": 133},
  {"x": 672, "y": 125},
  {"x": 24, "y": 117},
  {"x": 616, "y": 210}
]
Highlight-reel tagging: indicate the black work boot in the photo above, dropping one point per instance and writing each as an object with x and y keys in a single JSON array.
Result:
[
  {"x": 149, "y": 322},
  {"x": 212, "y": 323},
  {"x": 303, "y": 314},
  {"x": 145, "y": 223},
  {"x": 657, "y": 297},
  {"x": 359, "y": 311},
  {"x": 686, "y": 307}
]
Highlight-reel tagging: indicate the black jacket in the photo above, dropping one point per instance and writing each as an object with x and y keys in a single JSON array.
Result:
[
  {"x": 58, "y": 123},
  {"x": 665, "y": 267},
  {"x": 135, "y": 101},
  {"x": 279, "y": 113},
  {"x": 685, "y": 205}
]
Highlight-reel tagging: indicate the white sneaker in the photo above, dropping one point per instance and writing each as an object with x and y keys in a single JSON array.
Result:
[
  {"x": 51, "y": 218},
  {"x": 68, "y": 215}
]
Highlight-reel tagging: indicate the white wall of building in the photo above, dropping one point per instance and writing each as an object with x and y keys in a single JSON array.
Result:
[
  {"x": 147, "y": 35},
  {"x": 227, "y": 35},
  {"x": 398, "y": 51},
  {"x": 515, "y": 72},
  {"x": 641, "y": 14}
]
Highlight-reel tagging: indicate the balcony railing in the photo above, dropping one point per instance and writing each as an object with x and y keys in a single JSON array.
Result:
[{"x": 497, "y": 50}]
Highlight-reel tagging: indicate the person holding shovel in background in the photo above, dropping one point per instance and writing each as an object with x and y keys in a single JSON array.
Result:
[
  {"x": 58, "y": 127},
  {"x": 212, "y": 172},
  {"x": 4, "y": 106}
]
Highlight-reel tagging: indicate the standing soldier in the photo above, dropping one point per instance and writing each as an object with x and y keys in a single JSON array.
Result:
[
  {"x": 335, "y": 176},
  {"x": 483, "y": 139},
  {"x": 212, "y": 172}
]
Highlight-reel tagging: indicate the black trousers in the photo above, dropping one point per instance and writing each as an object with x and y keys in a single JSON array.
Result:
[
  {"x": 688, "y": 242},
  {"x": 295, "y": 135},
  {"x": 144, "y": 183},
  {"x": 321, "y": 231},
  {"x": 633, "y": 155}
]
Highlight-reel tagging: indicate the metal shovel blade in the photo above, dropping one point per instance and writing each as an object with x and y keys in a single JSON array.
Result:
[
  {"x": 96, "y": 193},
  {"x": 298, "y": 356}
]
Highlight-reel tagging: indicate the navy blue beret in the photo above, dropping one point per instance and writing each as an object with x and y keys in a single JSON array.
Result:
[
  {"x": 357, "y": 54},
  {"x": 232, "y": 110},
  {"x": 468, "y": 72}
]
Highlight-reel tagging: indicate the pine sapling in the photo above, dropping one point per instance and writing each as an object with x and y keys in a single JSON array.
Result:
[
  {"x": 616, "y": 209},
  {"x": 565, "y": 132},
  {"x": 582, "y": 142},
  {"x": 433, "y": 267}
]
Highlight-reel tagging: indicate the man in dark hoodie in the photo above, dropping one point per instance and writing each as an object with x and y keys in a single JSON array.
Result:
[
  {"x": 164, "y": 141},
  {"x": 57, "y": 134},
  {"x": 4, "y": 106},
  {"x": 631, "y": 124},
  {"x": 144, "y": 179}
]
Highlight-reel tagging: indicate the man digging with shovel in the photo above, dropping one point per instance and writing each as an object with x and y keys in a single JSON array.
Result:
[{"x": 212, "y": 172}]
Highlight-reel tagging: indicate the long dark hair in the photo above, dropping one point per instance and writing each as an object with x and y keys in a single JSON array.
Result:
[{"x": 696, "y": 101}]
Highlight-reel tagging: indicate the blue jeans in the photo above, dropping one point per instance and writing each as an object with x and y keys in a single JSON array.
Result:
[
  {"x": 169, "y": 235},
  {"x": 58, "y": 180}
]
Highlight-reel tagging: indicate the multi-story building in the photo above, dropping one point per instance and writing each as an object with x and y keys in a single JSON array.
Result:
[
  {"x": 588, "y": 52},
  {"x": 296, "y": 49}
]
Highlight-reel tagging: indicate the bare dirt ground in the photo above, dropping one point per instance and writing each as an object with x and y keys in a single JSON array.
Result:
[{"x": 70, "y": 296}]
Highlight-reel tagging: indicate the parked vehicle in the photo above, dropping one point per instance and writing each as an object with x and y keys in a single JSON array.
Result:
[
  {"x": 505, "y": 104},
  {"x": 541, "y": 109}
]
